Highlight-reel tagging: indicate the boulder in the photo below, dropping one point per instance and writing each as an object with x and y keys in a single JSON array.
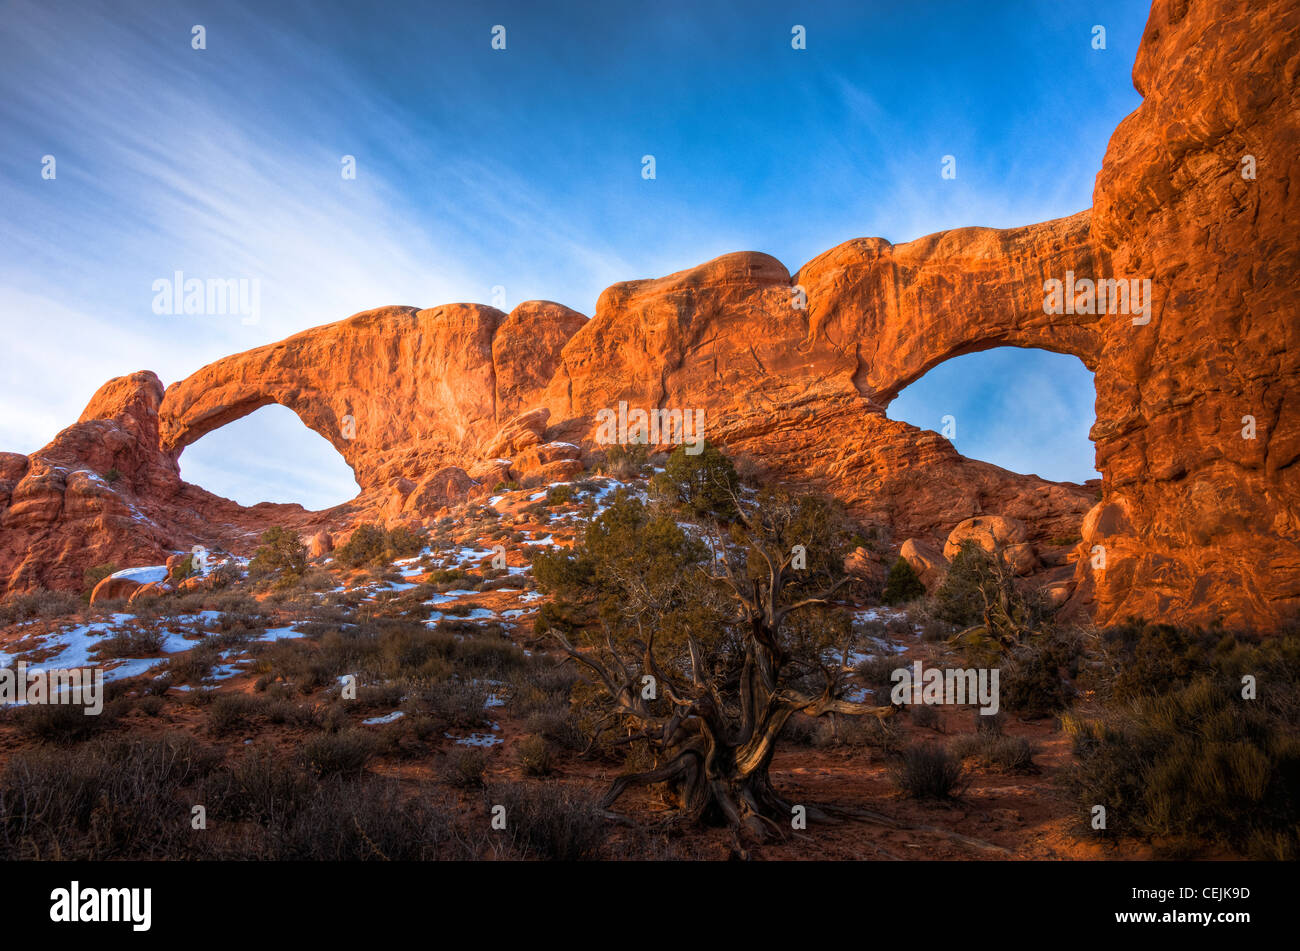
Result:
[{"x": 927, "y": 560}]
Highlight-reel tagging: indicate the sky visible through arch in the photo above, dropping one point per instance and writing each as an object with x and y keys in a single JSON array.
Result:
[{"x": 519, "y": 168}]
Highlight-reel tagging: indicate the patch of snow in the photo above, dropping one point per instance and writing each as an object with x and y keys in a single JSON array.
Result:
[
  {"x": 145, "y": 575},
  {"x": 483, "y": 740}
]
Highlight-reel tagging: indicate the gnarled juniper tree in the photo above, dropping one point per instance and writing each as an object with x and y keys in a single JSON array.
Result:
[{"x": 703, "y": 642}]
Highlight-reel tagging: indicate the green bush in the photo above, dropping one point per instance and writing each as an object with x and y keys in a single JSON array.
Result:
[
  {"x": 281, "y": 556},
  {"x": 372, "y": 545},
  {"x": 902, "y": 584},
  {"x": 1036, "y": 680},
  {"x": 559, "y": 495},
  {"x": 704, "y": 483},
  {"x": 960, "y": 599},
  {"x": 1196, "y": 765}
]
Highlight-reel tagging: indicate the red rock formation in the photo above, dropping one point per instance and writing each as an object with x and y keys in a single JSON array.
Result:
[
  {"x": 104, "y": 491},
  {"x": 429, "y": 406},
  {"x": 1210, "y": 522}
]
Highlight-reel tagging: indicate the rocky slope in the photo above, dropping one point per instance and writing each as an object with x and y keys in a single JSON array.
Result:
[{"x": 795, "y": 371}]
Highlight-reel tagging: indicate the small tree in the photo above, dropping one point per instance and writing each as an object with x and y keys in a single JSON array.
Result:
[
  {"x": 281, "y": 555},
  {"x": 706, "y": 650},
  {"x": 372, "y": 545},
  {"x": 980, "y": 595},
  {"x": 705, "y": 483},
  {"x": 902, "y": 584}
]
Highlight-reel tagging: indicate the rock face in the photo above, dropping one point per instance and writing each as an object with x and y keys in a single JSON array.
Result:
[{"x": 795, "y": 372}]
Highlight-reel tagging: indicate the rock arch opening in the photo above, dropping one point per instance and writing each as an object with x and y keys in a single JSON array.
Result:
[
  {"x": 1024, "y": 409},
  {"x": 270, "y": 455}
]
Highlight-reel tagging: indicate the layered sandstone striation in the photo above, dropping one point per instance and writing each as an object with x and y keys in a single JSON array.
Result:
[{"x": 795, "y": 372}]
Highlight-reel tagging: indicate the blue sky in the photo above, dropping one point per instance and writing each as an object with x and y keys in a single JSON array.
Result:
[{"x": 519, "y": 168}]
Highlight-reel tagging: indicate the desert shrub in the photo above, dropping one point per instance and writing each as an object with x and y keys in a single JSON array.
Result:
[
  {"x": 366, "y": 821},
  {"x": 1151, "y": 659},
  {"x": 1035, "y": 681},
  {"x": 493, "y": 657},
  {"x": 312, "y": 580},
  {"x": 876, "y": 674},
  {"x": 928, "y": 772},
  {"x": 281, "y": 556},
  {"x": 979, "y": 590},
  {"x": 133, "y": 642},
  {"x": 534, "y": 756},
  {"x": 62, "y": 722},
  {"x": 625, "y": 463},
  {"x": 365, "y": 546},
  {"x": 107, "y": 799},
  {"x": 195, "y": 664},
  {"x": 990, "y": 722},
  {"x": 338, "y": 754},
  {"x": 452, "y": 703},
  {"x": 559, "y": 495},
  {"x": 934, "y": 629},
  {"x": 224, "y": 575},
  {"x": 466, "y": 767},
  {"x": 232, "y": 711},
  {"x": 560, "y": 727},
  {"x": 549, "y": 821},
  {"x": 1198, "y": 764},
  {"x": 874, "y": 733},
  {"x": 902, "y": 583},
  {"x": 704, "y": 483},
  {"x": 181, "y": 570},
  {"x": 112, "y": 475},
  {"x": 261, "y": 786},
  {"x": 39, "y": 603},
  {"x": 925, "y": 716},
  {"x": 994, "y": 751},
  {"x": 150, "y": 705}
]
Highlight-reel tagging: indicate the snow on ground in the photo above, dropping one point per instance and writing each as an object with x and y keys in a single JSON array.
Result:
[
  {"x": 280, "y": 633},
  {"x": 73, "y": 647},
  {"x": 482, "y": 740},
  {"x": 146, "y": 575}
]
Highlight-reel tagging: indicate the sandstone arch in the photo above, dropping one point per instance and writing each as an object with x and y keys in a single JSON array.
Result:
[
  {"x": 1212, "y": 520},
  {"x": 397, "y": 390},
  {"x": 901, "y": 310}
]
